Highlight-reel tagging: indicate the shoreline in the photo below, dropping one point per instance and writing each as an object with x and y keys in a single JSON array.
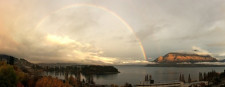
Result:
[{"x": 184, "y": 65}]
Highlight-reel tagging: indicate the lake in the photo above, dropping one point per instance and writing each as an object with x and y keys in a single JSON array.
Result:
[{"x": 136, "y": 74}]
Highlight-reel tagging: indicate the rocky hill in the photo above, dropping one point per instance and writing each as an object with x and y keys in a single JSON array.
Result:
[{"x": 184, "y": 57}]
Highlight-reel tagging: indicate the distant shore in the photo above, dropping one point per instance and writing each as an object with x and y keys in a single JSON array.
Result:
[{"x": 184, "y": 65}]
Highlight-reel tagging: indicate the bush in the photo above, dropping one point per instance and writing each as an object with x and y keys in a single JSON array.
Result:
[{"x": 51, "y": 82}]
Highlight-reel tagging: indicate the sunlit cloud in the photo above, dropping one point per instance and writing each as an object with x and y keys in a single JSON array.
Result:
[
  {"x": 135, "y": 62},
  {"x": 60, "y": 40},
  {"x": 200, "y": 51},
  {"x": 76, "y": 52}
]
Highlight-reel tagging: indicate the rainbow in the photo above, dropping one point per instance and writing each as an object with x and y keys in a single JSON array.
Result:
[{"x": 104, "y": 9}]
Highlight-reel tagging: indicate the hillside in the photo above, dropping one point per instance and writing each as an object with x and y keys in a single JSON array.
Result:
[
  {"x": 23, "y": 64},
  {"x": 28, "y": 67},
  {"x": 184, "y": 57}
]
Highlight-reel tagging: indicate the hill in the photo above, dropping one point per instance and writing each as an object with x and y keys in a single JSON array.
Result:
[
  {"x": 184, "y": 57},
  {"x": 23, "y": 64},
  {"x": 28, "y": 67}
]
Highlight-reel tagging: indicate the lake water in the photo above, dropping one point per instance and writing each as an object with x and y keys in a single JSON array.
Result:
[{"x": 135, "y": 74}]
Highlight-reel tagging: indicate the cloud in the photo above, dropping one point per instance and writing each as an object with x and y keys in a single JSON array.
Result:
[
  {"x": 219, "y": 44},
  {"x": 162, "y": 26},
  {"x": 196, "y": 50},
  {"x": 65, "y": 49},
  {"x": 7, "y": 43},
  {"x": 147, "y": 32},
  {"x": 61, "y": 40},
  {"x": 78, "y": 34},
  {"x": 135, "y": 62},
  {"x": 211, "y": 63},
  {"x": 200, "y": 51},
  {"x": 55, "y": 49}
]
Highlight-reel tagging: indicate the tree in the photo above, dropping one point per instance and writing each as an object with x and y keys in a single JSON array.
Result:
[
  {"x": 189, "y": 78},
  {"x": 73, "y": 81},
  {"x": 200, "y": 76},
  {"x": 183, "y": 79},
  {"x": 127, "y": 85},
  {"x": 113, "y": 85},
  {"x": 51, "y": 82},
  {"x": 8, "y": 76},
  {"x": 180, "y": 78},
  {"x": 11, "y": 76}
]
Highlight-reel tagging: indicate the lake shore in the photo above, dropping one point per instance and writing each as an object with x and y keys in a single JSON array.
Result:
[{"x": 183, "y": 65}]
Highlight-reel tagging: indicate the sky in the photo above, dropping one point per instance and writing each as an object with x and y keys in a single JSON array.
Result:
[{"x": 110, "y": 31}]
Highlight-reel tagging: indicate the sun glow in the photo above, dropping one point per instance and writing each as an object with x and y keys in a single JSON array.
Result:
[{"x": 59, "y": 39}]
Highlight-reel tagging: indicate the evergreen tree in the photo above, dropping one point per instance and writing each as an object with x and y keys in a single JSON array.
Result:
[
  {"x": 200, "y": 76},
  {"x": 189, "y": 78},
  {"x": 180, "y": 79}
]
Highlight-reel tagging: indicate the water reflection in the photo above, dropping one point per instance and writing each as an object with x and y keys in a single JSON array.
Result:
[
  {"x": 135, "y": 74},
  {"x": 106, "y": 76}
]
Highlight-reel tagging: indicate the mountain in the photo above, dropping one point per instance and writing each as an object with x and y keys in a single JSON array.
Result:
[{"x": 184, "y": 57}]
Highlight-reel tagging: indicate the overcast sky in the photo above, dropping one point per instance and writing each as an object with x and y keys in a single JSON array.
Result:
[{"x": 98, "y": 31}]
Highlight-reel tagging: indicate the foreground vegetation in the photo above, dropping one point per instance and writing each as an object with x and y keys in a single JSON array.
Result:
[{"x": 13, "y": 76}]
